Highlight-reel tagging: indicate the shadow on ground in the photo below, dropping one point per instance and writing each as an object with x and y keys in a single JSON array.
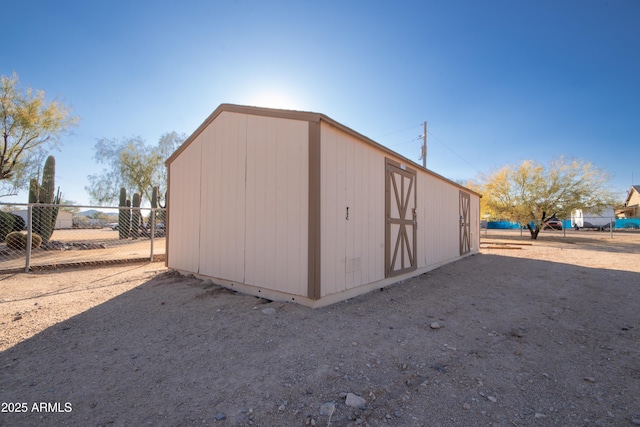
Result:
[{"x": 517, "y": 342}]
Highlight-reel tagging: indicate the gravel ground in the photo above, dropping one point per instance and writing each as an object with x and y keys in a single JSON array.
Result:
[{"x": 522, "y": 334}]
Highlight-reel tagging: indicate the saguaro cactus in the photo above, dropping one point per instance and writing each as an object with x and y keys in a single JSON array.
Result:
[
  {"x": 124, "y": 215},
  {"x": 154, "y": 197},
  {"x": 155, "y": 203},
  {"x": 135, "y": 216},
  {"x": 44, "y": 217}
]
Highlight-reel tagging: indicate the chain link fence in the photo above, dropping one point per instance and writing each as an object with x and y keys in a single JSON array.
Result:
[
  {"x": 40, "y": 236},
  {"x": 573, "y": 227},
  {"x": 600, "y": 223}
]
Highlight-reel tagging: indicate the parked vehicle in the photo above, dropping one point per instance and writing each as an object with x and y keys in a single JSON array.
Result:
[
  {"x": 608, "y": 226},
  {"x": 592, "y": 221},
  {"x": 144, "y": 229},
  {"x": 552, "y": 223},
  {"x": 586, "y": 225}
]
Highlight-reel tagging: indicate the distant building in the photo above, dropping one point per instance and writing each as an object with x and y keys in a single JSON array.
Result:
[
  {"x": 64, "y": 219},
  {"x": 631, "y": 207}
]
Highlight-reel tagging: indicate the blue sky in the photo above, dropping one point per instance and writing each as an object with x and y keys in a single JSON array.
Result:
[{"x": 498, "y": 81}]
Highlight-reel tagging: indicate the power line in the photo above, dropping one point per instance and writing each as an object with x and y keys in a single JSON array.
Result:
[
  {"x": 421, "y": 138},
  {"x": 453, "y": 151},
  {"x": 397, "y": 131},
  {"x": 405, "y": 142}
]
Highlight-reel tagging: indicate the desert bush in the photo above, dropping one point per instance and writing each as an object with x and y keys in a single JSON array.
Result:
[
  {"x": 19, "y": 223},
  {"x": 18, "y": 240},
  {"x": 8, "y": 223}
]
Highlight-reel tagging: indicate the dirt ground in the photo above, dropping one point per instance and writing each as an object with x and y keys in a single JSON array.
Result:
[
  {"x": 82, "y": 246},
  {"x": 526, "y": 333}
]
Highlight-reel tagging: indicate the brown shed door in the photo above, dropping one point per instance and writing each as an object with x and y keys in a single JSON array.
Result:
[
  {"x": 465, "y": 226},
  {"x": 400, "y": 213}
]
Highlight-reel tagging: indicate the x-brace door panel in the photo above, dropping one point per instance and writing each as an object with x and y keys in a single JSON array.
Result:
[
  {"x": 465, "y": 225},
  {"x": 401, "y": 220}
]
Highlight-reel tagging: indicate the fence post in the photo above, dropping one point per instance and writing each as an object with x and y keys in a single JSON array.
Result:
[
  {"x": 152, "y": 217},
  {"x": 29, "y": 237},
  {"x": 611, "y": 222}
]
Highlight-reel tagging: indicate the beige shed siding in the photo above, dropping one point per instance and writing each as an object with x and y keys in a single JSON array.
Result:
[
  {"x": 184, "y": 219},
  {"x": 438, "y": 221},
  {"x": 222, "y": 230},
  {"x": 277, "y": 210},
  {"x": 475, "y": 223},
  {"x": 253, "y": 211},
  {"x": 352, "y": 175}
]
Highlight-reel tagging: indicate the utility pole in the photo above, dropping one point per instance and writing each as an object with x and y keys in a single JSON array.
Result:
[{"x": 423, "y": 154}]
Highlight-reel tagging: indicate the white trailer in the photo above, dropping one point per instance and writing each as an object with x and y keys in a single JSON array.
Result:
[{"x": 589, "y": 220}]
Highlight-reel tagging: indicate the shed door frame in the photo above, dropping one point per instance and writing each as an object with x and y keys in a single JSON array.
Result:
[
  {"x": 401, "y": 222},
  {"x": 465, "y": 223}
]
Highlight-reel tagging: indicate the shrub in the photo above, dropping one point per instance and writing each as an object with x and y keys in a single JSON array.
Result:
[
  {"x": 10, "y": 222},
  {"x": 7, "y": 222},
  {"x": 18, "y": 240},
  {"x": 19, "y": 223}
]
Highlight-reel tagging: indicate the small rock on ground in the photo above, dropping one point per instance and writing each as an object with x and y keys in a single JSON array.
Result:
[{"x": 355, "y": 401}]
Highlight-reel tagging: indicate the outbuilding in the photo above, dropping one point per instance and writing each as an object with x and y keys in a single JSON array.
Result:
[
  {"x": 292, "y": 205},
  {"x": 63, "y": 220}
]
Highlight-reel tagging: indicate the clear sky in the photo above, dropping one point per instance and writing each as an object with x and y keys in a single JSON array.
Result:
[{"x": 498, "y": 81}]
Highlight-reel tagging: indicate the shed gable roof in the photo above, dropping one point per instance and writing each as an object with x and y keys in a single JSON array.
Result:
[
  {"x": 243, "y": 109},
  {"x": 304, "y": 116}
]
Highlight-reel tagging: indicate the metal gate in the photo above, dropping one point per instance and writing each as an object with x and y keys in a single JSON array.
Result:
[{"x": 401, "y": 223}]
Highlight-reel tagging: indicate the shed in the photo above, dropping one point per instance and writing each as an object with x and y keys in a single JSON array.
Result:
[
  {"x": 63, "y": 220},
  {"x": 292, "y": 205}
]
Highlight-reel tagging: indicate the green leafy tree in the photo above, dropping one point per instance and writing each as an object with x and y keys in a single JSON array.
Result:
[
  {"x": 68, "y": 206},
  {"x": 100, "y": 216},
  {"x": 532, "y": 194},
  {"x": 132, "y": 164},
  {"x": 28, "y": 126}
]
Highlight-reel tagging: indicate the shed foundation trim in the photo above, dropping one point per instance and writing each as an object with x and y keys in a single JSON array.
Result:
[{"x": 324, "y": 301}]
